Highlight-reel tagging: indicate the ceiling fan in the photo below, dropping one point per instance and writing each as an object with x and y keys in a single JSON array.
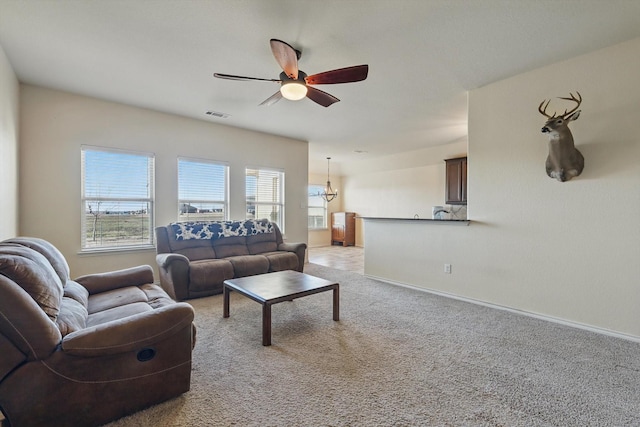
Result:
[{"x": 295, "y": 84}]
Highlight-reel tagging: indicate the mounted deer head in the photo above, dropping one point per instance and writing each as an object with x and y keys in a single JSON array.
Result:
[{"x": 564, "y": 160}]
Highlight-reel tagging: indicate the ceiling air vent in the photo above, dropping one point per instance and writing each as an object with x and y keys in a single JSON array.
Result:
[{"x": 217, "y": 114}]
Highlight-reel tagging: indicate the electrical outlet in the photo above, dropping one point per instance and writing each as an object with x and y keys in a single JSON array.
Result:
[{"x": 447, "y": 268}]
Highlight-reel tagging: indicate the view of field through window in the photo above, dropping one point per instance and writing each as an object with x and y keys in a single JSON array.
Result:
[
  {"x": 265, "y": 195},
  {"x": 117, "y": 193},
  {"x": 118, "y": 196},
  {"x": 317, "y": 208},
  {"x": 202, "y": 190}
]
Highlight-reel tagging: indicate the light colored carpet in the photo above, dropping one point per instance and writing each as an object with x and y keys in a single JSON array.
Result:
[{"x": 398, "y": 357}]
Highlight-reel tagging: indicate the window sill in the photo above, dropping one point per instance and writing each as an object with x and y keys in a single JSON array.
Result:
[{"x": 102, "y": 251}]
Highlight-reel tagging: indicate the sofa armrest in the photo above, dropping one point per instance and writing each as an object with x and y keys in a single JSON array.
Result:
[
  {"x": 165, "y": 260},
  {"x": 298, "y": 248},
  {"x": 174, "y": 275},
  {"x": 130, "y": 333},
  {"x": 101, "y": 282}
]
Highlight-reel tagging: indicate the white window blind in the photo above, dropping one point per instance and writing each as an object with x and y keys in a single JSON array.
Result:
[
  {"x": 317, "y": 208},
  {"x": 117, "y": 198},
  {"x": 265, "y": 195},
  {"x": 202, "y": 190}
]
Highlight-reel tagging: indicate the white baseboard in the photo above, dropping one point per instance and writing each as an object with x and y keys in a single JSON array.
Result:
[{"x": 569, "y": 323}]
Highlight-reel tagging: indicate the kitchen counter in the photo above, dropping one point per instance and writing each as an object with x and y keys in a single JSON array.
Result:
[{"x": 419, "y": 220}]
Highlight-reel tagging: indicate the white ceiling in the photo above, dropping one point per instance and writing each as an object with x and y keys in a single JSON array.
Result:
[{"x": 423, "y": 56}]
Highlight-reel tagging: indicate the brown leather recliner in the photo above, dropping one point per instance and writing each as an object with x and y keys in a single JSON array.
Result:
[{"x": 87, "y": 351}]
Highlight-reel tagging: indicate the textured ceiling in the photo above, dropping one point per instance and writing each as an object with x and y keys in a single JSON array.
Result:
[{"x": 424, "y": 56}]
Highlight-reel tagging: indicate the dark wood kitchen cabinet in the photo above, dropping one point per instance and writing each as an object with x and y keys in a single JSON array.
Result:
[
  {"x": 343, "y": 228},
  {"x": 456, "y": 181}
]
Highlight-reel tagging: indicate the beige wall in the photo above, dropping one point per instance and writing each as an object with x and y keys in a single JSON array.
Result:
[
  {"x": 567, "y": 251},
  {"x": 401, "y": 186},
  {"x": 55, "y": 124},
  {"x": 9, "y": 100}
]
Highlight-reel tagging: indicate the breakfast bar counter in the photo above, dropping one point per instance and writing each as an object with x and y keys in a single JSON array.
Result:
[{"x": 419, "y": 220}]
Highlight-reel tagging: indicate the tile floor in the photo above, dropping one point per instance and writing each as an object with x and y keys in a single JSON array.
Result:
[{"x": 349, "y": 258}]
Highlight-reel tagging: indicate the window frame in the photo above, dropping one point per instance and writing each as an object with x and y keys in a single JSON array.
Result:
[
  {"x": 324, "y": 207},
  {"x": 224, "y": 202},
  {"x": 281, "y": 190},
  {"x": 149, "y": 200}
]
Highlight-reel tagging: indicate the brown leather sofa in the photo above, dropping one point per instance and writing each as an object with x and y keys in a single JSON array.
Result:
[
  {"x": 87, "y": 351},
  {"x": 194, "y": 259}
]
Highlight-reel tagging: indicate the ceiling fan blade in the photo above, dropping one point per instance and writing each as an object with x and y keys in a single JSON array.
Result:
[
  {"x": 272, "y": 99},
  {"x": 242, "y": 78},
  {"x": 286, "y": 57},
  {"x": 320, "y": 97},
  {"x": 342, "y": 75}
]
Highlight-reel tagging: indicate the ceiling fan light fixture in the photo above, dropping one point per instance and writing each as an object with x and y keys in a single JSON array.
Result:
[
  {"x": 295, "y": 84},
  {"x": 293, "y": 90}
]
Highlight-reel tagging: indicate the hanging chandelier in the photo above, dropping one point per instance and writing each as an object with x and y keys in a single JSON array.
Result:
[{"x": 328, "y": 194}]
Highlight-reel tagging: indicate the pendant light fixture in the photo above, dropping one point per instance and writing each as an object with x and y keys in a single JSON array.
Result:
[{"x": 329, "y": 194}]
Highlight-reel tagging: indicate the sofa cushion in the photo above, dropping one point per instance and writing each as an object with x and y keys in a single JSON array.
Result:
[
  {"x": 76, "y": 291},
  {"x": 33, "y": 272},
  {"x": 249, "y": 265},
  {"x": 123, "y": 302},
  {"x": 231, "y": 246},
  {"x": 72, "y": 316},
  {"x": 50, "y": 252},
  {"x": 261, "y": 243},
  {"x": 156, "y": 296},
  {"x": 204, "y": 274},
  {"x": 193, "y": 249},
  {"x": 281, "y": 260},
  {"x": 117, "y": 313},
  {"x": 115, "y": 298},
  {"x": 73, "y": 310}
]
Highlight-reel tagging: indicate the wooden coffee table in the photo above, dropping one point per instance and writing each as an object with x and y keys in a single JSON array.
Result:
[{"x": 272, "y": 288}]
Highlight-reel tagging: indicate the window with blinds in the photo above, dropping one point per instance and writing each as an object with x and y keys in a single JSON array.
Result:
[
  {"x": 265, "y": 195},
  {"x": 202, "y": 190},
  {"x": 317, "y": 208},
  {"x": 117, "y": 199}
]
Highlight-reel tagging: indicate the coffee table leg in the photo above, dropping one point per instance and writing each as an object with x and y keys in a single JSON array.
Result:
[
  {"x": 266, "y": 324},
  {"x": 336, "y": 302},
  {"x": 225, "y": 307}
]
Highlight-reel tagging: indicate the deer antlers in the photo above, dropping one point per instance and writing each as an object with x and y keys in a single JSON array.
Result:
[{"x": 543, "y": 110}]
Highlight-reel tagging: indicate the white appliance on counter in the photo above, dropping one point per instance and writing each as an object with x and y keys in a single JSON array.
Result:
[
  {"x": 440, "y": 212},
  {"x": 449, "y": 212}
]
